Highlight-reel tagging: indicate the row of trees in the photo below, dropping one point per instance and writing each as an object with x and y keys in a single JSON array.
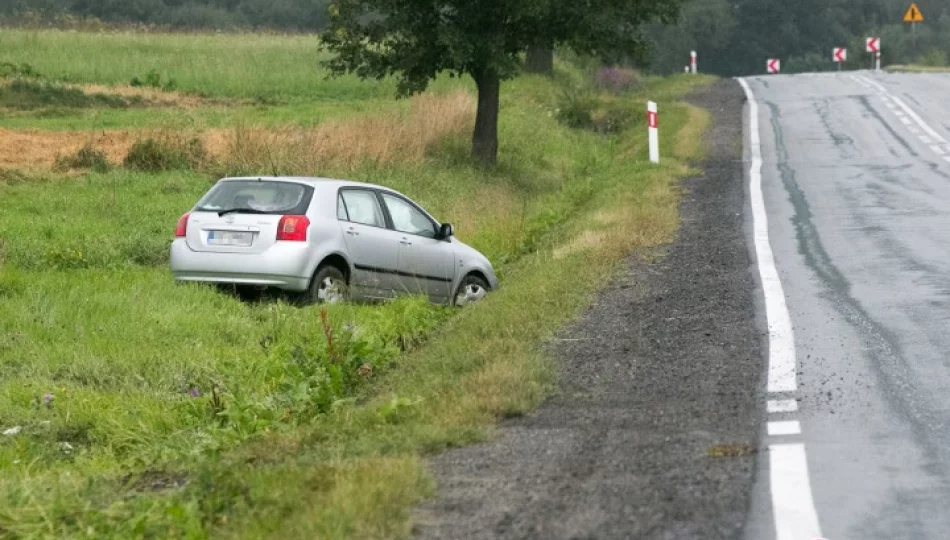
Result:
[
  {"x": 295, "y": 15},
  {"x": 735, "y": 37}
]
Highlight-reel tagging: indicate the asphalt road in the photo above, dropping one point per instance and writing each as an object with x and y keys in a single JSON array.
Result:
[
  {"x": 661, "y": 406},
  {"x": 855, "y": 182}
]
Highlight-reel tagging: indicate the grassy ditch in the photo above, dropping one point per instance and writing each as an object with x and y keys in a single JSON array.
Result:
[{"x": 137, "y": 408}]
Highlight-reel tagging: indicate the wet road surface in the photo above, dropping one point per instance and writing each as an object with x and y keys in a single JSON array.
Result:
[{"x": 855, "y": 181}]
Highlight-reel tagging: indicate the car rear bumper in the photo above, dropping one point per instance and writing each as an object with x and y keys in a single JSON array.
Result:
[{"x": 285, "y": 266}]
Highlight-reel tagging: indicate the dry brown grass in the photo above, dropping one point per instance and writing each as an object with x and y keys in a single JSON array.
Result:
[
  {"x": 403, "y": 137},
  {"x": 34, "y": 150},
  {"x": 399, "y": 136}
]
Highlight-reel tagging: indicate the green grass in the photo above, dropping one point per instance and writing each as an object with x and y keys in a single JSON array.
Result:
[
  {"x": 912, "y": 68},
  {"x": 150, "y": 409},
  {"x": 59, "y": 118},
  {"x": 274, "y": 79},
  {"x": 248, "y": 66}
]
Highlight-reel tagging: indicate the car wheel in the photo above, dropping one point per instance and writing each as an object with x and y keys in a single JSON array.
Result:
[
  {"x": 328, "y": 286},
  {"x": 471, "y": 290}
]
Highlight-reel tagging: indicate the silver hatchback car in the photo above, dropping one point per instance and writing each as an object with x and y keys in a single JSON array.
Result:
[{"x": 328, "y": 239}]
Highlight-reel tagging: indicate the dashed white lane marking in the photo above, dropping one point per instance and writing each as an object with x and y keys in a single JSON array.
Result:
[
  {"x": 793, "y": 507},
  {"x": 784, "y": 427},
  {"x": 907, "y": 116},
  {"x": 910, "y": 112},
  {"x": 782, "y": 406},
  {"x": 790, "y": 488}
]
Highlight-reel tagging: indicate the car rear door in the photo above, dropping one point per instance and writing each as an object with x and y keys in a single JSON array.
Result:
[
  {"x": 373, "y": 248},
  {"x": 426, "y": 265}
]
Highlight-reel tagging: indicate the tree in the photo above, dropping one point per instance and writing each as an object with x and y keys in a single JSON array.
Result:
[
  {"x": 540, "y": 59},
  {"x": 416, "y": 40}
]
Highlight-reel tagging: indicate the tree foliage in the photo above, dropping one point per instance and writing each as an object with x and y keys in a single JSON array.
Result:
[
  {"x": 298, "y": 15},
  {"x": 416, "y": 40}
]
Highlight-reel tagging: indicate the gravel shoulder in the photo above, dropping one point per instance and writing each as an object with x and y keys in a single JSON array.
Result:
[{"x": 653, "y": 431}]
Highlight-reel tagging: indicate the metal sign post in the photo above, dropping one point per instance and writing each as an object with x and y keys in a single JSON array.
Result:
[
  {"x": 913, "y": 16},
  {"x": 874, "y": 47},
  {"x": 840, "y": 56}
]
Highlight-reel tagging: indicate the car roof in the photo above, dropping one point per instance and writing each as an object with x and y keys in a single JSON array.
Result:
[{"x": 317, "y": 182}]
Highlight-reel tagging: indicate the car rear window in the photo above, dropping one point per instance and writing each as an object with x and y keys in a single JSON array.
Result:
[{"x": 264, "y": 197}]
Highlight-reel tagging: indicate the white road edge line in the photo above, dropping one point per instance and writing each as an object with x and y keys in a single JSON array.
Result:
[
  {"x": 781, "y": 337},
  {"x": 793, "y": 507},
  {"x": 784, "y": 427},
  {"x": 775, "y": 406},
  {"x": 795, "y": 517}
]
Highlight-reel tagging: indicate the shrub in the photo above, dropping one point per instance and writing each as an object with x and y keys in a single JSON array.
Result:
[
  {"x": 617, "y": 79},
  {"x": 153, "y": 154},
  {"x": 576, "y": 109},
  {"x": 23, "y": 69},
  {"x": 31, "y": 94},
  {"x": 86, "y": 158},
  {"x": 616, "y": 117},
  {"x": 934, "y": 58},
  {"x": 154, "y": 79}
]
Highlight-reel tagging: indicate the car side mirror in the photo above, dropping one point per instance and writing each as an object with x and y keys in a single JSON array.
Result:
[{"x": 446, "y": 231}]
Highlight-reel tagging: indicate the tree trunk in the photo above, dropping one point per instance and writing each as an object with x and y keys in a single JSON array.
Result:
[
  {"x": 485, "y": 137},
  {"x": 540, "y": 59}
]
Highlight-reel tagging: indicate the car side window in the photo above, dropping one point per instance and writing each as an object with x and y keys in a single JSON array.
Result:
[
  {"x": 341, "y": 213},
  {"x": 362, "y": 206},
  {"x": 407, "y": 218}
]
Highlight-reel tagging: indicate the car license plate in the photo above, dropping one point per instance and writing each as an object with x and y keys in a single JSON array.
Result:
[{"x": 230, "y": 238}]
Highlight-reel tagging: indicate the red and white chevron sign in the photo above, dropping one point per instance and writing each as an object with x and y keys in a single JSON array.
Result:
[
  {"x": 874, "y": 44},
  {"x": 774, "y": 65},
  {"x": 840, "y": 54}
]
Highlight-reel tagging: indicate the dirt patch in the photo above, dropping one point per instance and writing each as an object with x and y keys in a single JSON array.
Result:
[{"x": 154, "y": 480}]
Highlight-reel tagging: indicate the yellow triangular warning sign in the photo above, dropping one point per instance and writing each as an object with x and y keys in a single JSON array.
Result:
[{"x": 913, "y": 14}]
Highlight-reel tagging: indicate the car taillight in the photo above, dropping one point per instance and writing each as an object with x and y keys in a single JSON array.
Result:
[
  {"x": 293, "y": 228},
  {"x": 182, "y": 228}
]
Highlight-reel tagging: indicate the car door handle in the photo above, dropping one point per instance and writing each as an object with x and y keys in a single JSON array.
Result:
[
  {"x": 405, "y": 242},
  {"x": 353, "y": 232}
]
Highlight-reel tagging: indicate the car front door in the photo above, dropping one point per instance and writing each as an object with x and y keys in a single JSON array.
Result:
[
  {"x": 373, "y": 248},
  {"x": 426, "y": 264}
]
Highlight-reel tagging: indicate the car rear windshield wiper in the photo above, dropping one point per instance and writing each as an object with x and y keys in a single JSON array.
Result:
[{"x": 242, "y": 210}]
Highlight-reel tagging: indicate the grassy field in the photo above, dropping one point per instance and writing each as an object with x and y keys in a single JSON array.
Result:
[{"x": 137, "y": 408}]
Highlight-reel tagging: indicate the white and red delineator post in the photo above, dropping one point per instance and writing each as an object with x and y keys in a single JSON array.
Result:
[
  {"x": 692, "y": 62},
  {"x": 773, "y": 66},
  {"x": 653, "y": 130}
]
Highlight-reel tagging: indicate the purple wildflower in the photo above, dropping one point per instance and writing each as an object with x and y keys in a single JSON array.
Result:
[
  {"x": 194, "y": 392},
  {"x": 616, "y": 79},
  {"x": 48, "y": 398}
]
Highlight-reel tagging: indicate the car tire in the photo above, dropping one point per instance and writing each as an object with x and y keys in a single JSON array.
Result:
[
  {"x": 328, "y": 286},
  {"x": 472, "y": 289}
]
